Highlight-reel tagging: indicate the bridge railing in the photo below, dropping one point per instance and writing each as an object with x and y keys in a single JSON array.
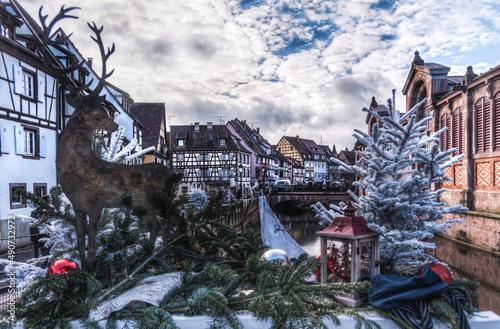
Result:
[{"x": 310, "y": 188}]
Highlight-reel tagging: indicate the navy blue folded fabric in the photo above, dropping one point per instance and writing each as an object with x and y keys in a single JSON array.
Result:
[{"x": 388, "y": 291}]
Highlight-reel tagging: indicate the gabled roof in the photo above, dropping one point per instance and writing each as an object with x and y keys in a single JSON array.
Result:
[
  {"x": 250, "y": 136},
  {"x": 205, "y": 139},
  {"x": 350, "y": 156},
  {"x": 151, "y": 116},
  {"x": 418, "y": 64}
]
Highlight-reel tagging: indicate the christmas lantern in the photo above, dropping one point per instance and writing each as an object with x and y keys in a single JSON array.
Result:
[
  {"x": 349, "y": 250},
  {"x": 62, "y": 266}
]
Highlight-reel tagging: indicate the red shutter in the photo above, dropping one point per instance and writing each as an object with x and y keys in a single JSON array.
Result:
[
  {"x": 483, "y": 125},
  {"x": 496, "y": 116},
  {"x": 457, "y": 130},
  {"x": 478, "y": 109},
  {"x": 445, "y": 136},
  {"x": 487, "y": 124}
]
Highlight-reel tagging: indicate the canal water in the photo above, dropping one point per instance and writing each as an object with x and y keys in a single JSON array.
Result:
[{"x": 465, "y": 262}]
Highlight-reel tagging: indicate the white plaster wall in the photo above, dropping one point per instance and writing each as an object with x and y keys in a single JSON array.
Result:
[{"x": 15, "y": 169}]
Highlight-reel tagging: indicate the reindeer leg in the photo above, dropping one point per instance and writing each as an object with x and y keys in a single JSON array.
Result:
[
  {"x": 81, "y": 221},
  {"x": 92, "y": 233},
  {"x": 154, "y": 228}
]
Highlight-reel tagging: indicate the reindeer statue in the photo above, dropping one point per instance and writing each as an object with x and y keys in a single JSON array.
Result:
[{"x": 90, "y": 183}]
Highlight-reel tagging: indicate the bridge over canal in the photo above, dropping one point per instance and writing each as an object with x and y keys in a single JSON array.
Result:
[{"x": 307, "y": 195}]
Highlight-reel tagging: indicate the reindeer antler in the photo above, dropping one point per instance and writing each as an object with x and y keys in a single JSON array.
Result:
[
  {"x": 47, "y": 40},
  {"x": 104, "y": 56}
]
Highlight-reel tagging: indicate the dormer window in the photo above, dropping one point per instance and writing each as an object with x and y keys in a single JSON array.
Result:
[
  {"x": 222, "y": 142},
  {"x": 180, "y": 143},
  {"x": 5, "y": 31}
]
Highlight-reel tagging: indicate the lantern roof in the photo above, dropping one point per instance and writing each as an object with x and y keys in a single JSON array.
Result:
[{"x": 347, "y": 226}]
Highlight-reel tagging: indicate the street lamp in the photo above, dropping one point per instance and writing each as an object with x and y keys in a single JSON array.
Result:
[{"x": 240, "y": 169}]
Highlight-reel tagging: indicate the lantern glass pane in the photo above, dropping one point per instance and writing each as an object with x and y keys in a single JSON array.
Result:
[
  {"x": 338, "y": 261},
  {"x": 366, "y": 256}
]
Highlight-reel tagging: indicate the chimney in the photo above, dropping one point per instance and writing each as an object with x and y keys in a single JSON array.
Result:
[
  {"x": 209, "y": 125},
  {"x": 89, "y": 61},
  {"x": 196, "y": 126},
  {"x": 258, "y": 130}
]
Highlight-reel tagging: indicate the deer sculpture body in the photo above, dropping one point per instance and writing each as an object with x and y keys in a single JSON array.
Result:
[{"x": 90, "y": 183}]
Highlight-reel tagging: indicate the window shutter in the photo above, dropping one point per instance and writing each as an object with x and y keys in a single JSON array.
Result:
[
  {"x": 496, "y": 116},
  {"x": 479, "y": 126},
  {"x": 18, "y": 79},
  {"x": 487, "y": 124},
  {"x": 221, "y": 157},
  {"x": 198, "y": 172},
  {"x": 43, "y": 144},
  {"x": 209, "y": 172},
  {"x": 19, "y": 139},
  {"x": 220, "y": 172},
  {"x": 5, "y": 143},
  {"x": 199, "y": 157},
  {"x": 445, "y": 136},
  {"x": 186, "y": 173},
  {"x": 457, "y": 130},
  {"x": 231, "y": 172},
  {"x": 209, "y": 156},
  {"x": 230, "y": 156},
  {"x": 41, "y": 87}
]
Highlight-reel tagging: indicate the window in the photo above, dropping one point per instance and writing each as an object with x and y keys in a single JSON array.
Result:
[
  {"x": 40, "y": 189},
  {"x": 28, "y": 84},
  {"x": 222, "y": 142},
  {"x": 180, "y": 142},
  {"x": 457, "y": 122},
  {"x": 225, "y": 173},
  {"x": 184, "y": 189},
  {"x": 5, "y": 31},
  {"x": 445, "y": 135},
  {"x": 16, "y": 200},
  {"x": 483, "y": 125},
  {"x": 138, "y": 135},
  {"x": 180, "y": 157},
  {"x": 29, "y": 142}
]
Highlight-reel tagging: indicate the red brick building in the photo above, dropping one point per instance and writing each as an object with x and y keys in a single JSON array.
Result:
[{"x": 469, "y": 106}]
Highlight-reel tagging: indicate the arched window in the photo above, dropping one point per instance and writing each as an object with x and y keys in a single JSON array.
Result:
[
  {"x": 483, "y": 125},
  {"x": 457, "y": 131},
  {"x": 419, "y": 92},
  {"x": 496, "y": 116},
  {"x": 445, "y": 136}
]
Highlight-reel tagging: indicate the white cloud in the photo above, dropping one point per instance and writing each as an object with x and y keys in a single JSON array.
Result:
[{"x": 305, "y": 66}]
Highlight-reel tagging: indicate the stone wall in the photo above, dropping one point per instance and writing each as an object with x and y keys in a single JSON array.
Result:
[{"x": 480, "y": 228}]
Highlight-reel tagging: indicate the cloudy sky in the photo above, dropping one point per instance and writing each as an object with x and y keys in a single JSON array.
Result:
[{"x": 303, "y": 67}]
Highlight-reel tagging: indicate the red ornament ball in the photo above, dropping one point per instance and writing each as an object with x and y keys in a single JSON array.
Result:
[
  {"x": 62, "y": 266},
  {"x": 440, "y": 270}
]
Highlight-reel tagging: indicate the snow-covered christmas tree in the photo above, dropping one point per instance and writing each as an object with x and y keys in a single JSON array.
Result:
[
  {"x": 116, "y": 152},
  {"x": 198, "y": 199},
  {"x": 400, "y": 171}
]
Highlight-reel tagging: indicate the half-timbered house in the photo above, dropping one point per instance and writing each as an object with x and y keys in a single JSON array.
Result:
[
  {"x": 209, "y": 157},
  {"x": 308, "y": 153},
  {"x": 33, "y": 107},
  {"x": 258, "y": 146},
  {"x": 29, "y": 119}
]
